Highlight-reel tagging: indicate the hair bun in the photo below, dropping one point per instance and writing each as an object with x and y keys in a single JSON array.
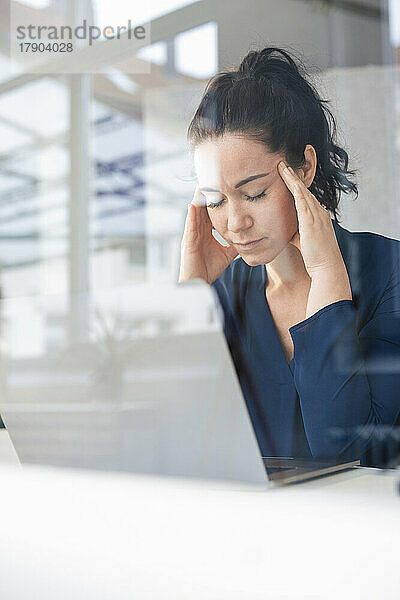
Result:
[{"x": 268, "y": 60}]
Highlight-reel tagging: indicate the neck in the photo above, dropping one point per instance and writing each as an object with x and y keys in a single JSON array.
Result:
[{"x": 287, "y": 269}]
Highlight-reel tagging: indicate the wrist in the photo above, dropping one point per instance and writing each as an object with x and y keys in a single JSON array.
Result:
[
  {"x": 329, "y": 269},
  {"x": 328, "y": 287},
  {"x": 332, "y": 284}
]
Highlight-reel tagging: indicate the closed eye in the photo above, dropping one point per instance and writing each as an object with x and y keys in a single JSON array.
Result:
[
  {"x": 214, "y": 204},
  {"x": 250, "y": 198},
  {"x": 255, "y": 197}
]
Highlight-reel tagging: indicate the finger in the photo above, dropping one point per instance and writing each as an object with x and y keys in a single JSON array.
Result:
[
  {"x": 313, "y": 204},
  {"x": 197, "y": 223},
  {"x": 191, "y": 220},
  {"x": 190, "y": 229},
  {"x": 292, "y": 179},
  {"x": 307, "y": 206},
  {"x": 199, "y": 198},
  {"x": 204, "y": 221},
  {"x": 310, "y": 198},
  {"x": 295, "y": 186}
]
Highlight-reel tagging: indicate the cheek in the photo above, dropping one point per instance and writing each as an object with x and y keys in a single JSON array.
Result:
[
  {"x": 279, "y": 217},
  {"x": 285, "y": 207},
  {"x": 288, "y": 211},
  {"x": 215, "y": 218}
]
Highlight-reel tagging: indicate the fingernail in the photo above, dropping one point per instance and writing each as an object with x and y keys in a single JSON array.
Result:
[
  {"x": 189, "y": 206},
  {"x": 282, "y": 165}
]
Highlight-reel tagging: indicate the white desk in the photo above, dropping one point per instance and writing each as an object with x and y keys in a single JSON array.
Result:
[{"x": 72, "y": 535}]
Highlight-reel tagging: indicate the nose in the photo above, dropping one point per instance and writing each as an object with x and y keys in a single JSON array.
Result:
[{"x": 238, "y": 219}]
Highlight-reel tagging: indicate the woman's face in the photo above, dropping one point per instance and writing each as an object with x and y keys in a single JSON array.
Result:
[{"x": 247, "y": 200}]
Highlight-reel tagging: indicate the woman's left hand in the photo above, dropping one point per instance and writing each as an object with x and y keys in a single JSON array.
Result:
[
  {"x": 315, "y": 237},
  {"x": 316, "y": 240}
]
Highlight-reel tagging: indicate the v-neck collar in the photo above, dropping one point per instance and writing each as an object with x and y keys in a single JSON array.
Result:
[{"x": 263, "y": 283}]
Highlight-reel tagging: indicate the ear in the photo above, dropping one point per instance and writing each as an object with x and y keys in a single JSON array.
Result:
[{"x": 307, "y": 171}]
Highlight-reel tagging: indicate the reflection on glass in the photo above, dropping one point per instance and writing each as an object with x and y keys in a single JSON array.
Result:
[
  {"x": 151, "y": 389},
  {"x": 140, "y": 174},
  {"x": 34, "y": 187},
  {"x": 155, "y": 53},
  {"x": 189, "y": 60}
]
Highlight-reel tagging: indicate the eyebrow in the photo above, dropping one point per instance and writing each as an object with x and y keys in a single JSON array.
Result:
[{"x": 242, "y": 182}]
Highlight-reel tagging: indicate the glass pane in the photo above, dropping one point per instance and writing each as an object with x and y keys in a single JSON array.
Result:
[
  {"x": 34, "y": 187},
  {"x": 189, "y": 60}
]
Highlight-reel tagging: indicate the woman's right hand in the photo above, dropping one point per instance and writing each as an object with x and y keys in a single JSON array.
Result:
[{"x": 202, "y": 256}]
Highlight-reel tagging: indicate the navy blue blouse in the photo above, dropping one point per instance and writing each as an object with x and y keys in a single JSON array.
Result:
[{"x": 344, "y": 378}]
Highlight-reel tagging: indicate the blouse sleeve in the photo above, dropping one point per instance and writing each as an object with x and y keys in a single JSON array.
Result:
[{"x": 348, "y": 381}]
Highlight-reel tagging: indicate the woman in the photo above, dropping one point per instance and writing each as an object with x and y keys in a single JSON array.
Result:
[{"x": 311, "y": 310}]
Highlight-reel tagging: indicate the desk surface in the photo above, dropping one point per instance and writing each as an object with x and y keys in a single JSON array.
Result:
[{"x": 73, "y": 534}]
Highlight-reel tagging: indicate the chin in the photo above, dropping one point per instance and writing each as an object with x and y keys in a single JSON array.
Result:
[{"x": 253, "y": 260}]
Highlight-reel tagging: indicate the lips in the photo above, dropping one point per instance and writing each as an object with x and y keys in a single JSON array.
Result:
[{"x": 248, "y": 244}]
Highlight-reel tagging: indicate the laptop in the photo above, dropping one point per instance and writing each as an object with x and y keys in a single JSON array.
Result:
[{"x": 136, "y": 379}]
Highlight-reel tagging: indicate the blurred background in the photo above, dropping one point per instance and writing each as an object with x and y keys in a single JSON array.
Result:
[{"x": 95, "y": 174}]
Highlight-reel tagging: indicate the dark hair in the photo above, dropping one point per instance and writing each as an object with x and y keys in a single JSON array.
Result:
[{"x": 269, "y": 98}]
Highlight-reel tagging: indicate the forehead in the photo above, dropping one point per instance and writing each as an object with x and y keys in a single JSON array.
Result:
[{"x": 231, "y": 158}]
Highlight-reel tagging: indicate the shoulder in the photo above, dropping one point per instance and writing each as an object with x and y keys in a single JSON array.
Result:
[
  {"x": 372, "y": 261},
  {"x": 367, "y": 239},
  {"x": 364, "y": 249}
]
